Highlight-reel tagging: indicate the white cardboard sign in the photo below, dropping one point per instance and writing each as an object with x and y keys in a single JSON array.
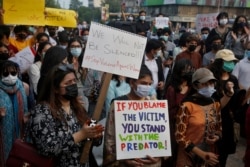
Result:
[
  {"x": 206, "y": 20},
  {"x": 114, "y": 51},
  {"x": 161, "y": 22},
  {"x": 142, "y": 128}
]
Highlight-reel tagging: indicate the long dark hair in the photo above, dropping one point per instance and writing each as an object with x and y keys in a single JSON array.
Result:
[
  {"x": 50, "y": 96},
  {"x": 41, "y": 46},
  {"x": 235, "y": 24}
]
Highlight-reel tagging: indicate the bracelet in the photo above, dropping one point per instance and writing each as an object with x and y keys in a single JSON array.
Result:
[{"x": 189, "y": 148}]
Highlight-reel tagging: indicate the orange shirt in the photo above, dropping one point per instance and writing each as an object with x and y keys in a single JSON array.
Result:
[{"x": 21, "y": 45}]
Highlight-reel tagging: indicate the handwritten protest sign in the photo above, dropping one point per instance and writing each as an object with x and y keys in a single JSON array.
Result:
[
  {"x": 114, "y": 51},
  {"x": 161, "y": 22},
  {"x": 24, "y": 12},
  {"x": 24, "y": 58},
  {"x": 206, "y": 20},
  {"x": 60, "y": 17},
  {"x": 142, "y": 128}
]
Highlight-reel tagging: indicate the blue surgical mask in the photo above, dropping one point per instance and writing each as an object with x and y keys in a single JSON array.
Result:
[
  {"x": 247, "y": 54},
  {"x": 164, "y": 37},
  {"x": 228, "y": 66},
  {"x": 142, "y": 90},
  {"x": 204, "y": 36},
  {"x": 207, "y": 91},
  {"x": 76, "y": 52},
  {"x": 142, "y": 18}
]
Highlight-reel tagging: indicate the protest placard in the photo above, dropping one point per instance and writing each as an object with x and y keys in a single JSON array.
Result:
[
  {"x": 114, "y": 51},
  {"x": 24, "y": 12},
  {"x": 161, "y": 22},
  {"x": 24, "y": 58},
  {"x": 206, "y": 20},
  {"x": 60, "y": 17},
  {"x": 142, "y": 128}
]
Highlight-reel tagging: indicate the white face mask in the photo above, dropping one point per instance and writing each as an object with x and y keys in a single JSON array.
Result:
[
  {"x": 85, "y": 37},
  {"x": 142, "y": 90},
  {"x": 204, "y": 36},
  {"x": 130, "y": 18},
  {"x": 9, "y": 80},
  {"x": 223, "y": 21},
  {"x": 158, "y": 54},
  {"x": 142, "y": 18},
  {"x": 207, "y": 91},
  {"x": 76, "y": 52}
]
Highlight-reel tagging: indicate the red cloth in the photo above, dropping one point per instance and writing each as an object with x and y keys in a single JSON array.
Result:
[{"x": 194, "y": 57}]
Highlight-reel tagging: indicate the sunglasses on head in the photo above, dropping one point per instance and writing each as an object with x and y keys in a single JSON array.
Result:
[
  {"x": 66, "y": 67},
  {"x": 7, "y": 73}
]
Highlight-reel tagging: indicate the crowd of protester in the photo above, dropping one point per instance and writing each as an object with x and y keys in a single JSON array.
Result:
[{"x": 205, "y": 77}]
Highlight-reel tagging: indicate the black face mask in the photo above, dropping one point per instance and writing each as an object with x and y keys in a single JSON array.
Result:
[
  {"x": 71, "y": 92},
  {"x": 216, "y": 46},
  {"x": 191, "y": 48},
  {"x": 4, "y": 56},
  {"x": 21, "y": 36},
  {"x": 241, "y": 25}
]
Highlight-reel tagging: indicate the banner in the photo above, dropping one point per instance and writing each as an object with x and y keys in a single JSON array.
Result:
[
  {"x": 24, "y": 58},
  {"x": 114, "y": 51},
  {"x": 206, "y": 20},
  {"x": 142, "y": 128},
  {"x": 24, "y": 12},
  {"x": 60, "y": 17}
]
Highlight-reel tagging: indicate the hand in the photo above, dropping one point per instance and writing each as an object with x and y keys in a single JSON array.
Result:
[
  {"x": 150, "y": 160},
  {"x": 160, "y": 85},
  {"x": 233, "y": 35},
  {"x": 210, "y": 158},
  {"x": 2, "y": 111},
  {"x": 212, "y": 139},
  {"x": 229, "y": 88},
  {"x": 92, "y": 132}
]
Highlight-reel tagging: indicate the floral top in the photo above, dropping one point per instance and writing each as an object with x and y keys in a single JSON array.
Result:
[{"x": 54, "y": 138}]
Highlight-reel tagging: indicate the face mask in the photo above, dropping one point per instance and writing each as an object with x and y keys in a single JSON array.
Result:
[
  {"x": 158, "y": 54},
  {"x": 247, "y": 54},
  {"x": 4, "y": 56},
  {"x": 71, "y": 92},
  {"x": 76, "y": 51},
  {"x": 204, "y": 36},
  {"x": 85, "y": 37},
  {"x": 191, "y": 48},
  {"x": 223, "y": 21},
  {"x": 63, "y": 46},
  {"x": 21, "y": 36},
  {"x": 164, "y": 37},
  {"x": 216, "y": 46},
  {"x": 206, "y": 91},
  {"x": 228, "y": 66},
  {"x": 32, "y": 29},
  {"x": 142, "y": 18},
  {"x": 9, "y": 80},
  {"x": 130, "y": 18},
  {"x": 142, "y": 90},
  {"x": 84, "y": 26},
  {"x": 241, "y": 25},
  {"x": 43, "y": 54}
]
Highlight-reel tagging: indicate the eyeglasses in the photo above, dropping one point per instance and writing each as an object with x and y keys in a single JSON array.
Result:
[
  {"x": 66, "y": 67},
  {"x": 7, "y": 73}
]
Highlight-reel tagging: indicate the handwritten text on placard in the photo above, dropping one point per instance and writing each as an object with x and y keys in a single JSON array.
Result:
[
  {"x": 114, "y": 51},
  {"x": 142, "y": 128},
  {"x": 206, "y": 20}
]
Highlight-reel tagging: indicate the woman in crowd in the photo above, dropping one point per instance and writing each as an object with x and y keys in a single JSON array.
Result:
[
  {"x": 4, "y": 52},
  {"x": 53, "y": 56},
  {"x": 34, "y": 70},
  {"x": 140, "y": 88},
  {"x": 178, "y": 88},
  {"x": 222, "y": 30},
  {"x": 13, "y": 107},
  {"x": 198, "y": 123},
  {"x": 59, "y": 123},
  {"x": 75, "y": 57},
  {"x": 227, "y": 90},
  {"x": 237, "y": 38}
]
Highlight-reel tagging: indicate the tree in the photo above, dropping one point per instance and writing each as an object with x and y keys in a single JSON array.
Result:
[
  {"x": 88, "y": 14},
  {"x": 114, "y": 5},
  {"x": 52, "y": 4},
  {"x": 75, "y": 4}
]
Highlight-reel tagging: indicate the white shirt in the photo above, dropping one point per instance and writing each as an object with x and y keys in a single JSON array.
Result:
[
  {"x": 152, "y": 66},
  {"x": 242, "y": 72},
  {"x": 34, "y": 74}
]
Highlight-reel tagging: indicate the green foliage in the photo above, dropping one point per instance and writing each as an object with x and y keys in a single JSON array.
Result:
[
  {"x": 88, "y": 14},
  {"x": 52, "y": 4},
  {"x": 114, "y": 5},
  {"x": 75, "y": 4}
]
